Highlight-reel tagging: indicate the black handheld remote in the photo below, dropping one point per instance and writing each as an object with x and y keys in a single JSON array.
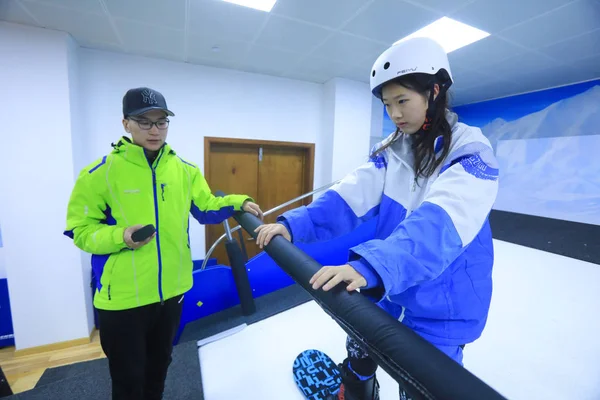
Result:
[{"x": 143, "y": 233}]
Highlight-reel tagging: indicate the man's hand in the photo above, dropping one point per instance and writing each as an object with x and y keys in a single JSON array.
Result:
[
  {"x": 269, "y": 231},
  {"x": 252, "y": 208},
  {"x": 332, "y": 275},
  {"x": 130, "y": 243}
]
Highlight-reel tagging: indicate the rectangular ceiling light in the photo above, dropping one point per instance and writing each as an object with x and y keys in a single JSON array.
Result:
[
  {"x": 262, "y": 5},
  {"x": 450, "y": 34}
]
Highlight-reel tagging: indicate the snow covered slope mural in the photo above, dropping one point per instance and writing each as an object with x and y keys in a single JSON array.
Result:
[
  {"x": 549, "y": 164},
  {"x": 551, "y": 177},
  {"x": 575, "y": 116}
]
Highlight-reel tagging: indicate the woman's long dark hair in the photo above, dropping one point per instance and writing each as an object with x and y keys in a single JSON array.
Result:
[{"x": 435, "y": 125}]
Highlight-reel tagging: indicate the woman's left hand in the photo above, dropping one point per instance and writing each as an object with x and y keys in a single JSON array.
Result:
[{"x": 332, "y": 275}]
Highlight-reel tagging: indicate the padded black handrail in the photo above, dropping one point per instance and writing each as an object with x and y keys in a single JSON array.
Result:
[{"x": 425, "y": 371}]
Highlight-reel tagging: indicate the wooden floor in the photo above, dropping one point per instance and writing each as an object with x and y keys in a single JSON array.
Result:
[{"x": 23, "y": 372}]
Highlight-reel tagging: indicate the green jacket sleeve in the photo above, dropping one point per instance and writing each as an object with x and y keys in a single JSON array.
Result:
[
  {"x": 209, "y": 209},
  {"x": 87, "y": 221}
]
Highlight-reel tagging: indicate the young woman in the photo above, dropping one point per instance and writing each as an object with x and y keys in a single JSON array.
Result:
[{"x": 431, "y": 185}]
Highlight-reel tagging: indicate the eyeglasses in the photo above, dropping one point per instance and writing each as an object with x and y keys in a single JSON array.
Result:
[{"x": 147, "y": 125}]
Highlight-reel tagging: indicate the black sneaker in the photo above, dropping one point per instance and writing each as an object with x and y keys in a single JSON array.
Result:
[{"x": 353, "y": 388}]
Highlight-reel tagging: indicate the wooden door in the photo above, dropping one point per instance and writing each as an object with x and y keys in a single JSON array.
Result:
[
  {"x": 274, "y": 173},
  {"x": 281, "y": 178},
  {"x": 232, "y": 168}
]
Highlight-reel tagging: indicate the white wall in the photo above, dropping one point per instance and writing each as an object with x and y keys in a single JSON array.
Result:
[
  {"x": 328, "y": 126},
  {"x": 80, "y": 151},
  {"x": 352, "y": 126},
  {"x": 42, "y": 266}
]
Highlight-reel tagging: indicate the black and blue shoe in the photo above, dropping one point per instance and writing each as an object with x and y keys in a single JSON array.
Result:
[{"x": 353, "y": 388}]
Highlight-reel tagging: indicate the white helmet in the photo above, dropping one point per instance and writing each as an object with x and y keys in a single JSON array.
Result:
[{"x": 410, "y": 56}]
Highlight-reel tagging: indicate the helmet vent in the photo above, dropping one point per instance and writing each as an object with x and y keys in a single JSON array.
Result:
[{"x": 386, "y": 65}]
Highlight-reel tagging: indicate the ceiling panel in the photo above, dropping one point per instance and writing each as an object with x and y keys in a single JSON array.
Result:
[
  {"x": 513, "y": 66},
  {"x": 590, "y": 65},
  {"x": 390, "y": 20},
  {"x": 442, "y": 6},
  {"x": 221, "y": 20},
  {"x": 319, "y": 66},
  {"x": 316, "y": 77},
  {"x": 575, "y": 48},
  {"x": 463, "y": 78},
  {"x": 87, "y": 6},
  {"x": 273, "y": 60},
  {"x": 491, "y": 88},
  {"x": 496, "y": 15},
  {"x": 156, "y": 12},
  {"x": 535, "y": 44},
  {"x": 483, "y": 53},
  {"x": 151, "y": 39},
  {"x": 200, "y": 47},
  {"x": 213, "y": 62},
  {"x": 85, "y": 27},
  {"x": 11, "y": 10},
  {"x": 328, "y": 13},
  {"x": 342, "y": 47},
  {"x": 574, "y": 19},
  {"x": 291, "y": 35},
  {"x": 357, "y": 74}
]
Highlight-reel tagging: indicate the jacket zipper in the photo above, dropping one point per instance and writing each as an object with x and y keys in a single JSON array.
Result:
[
  {"x": 154, "y": 188},
  {"x": 413, "y": 186},
  {"x": 112, "y": 267}
]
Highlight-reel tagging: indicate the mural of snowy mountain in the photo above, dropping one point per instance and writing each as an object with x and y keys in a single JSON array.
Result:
[
  {"x": 548, "y": 160},
  {"x": 551, "y": 177},
  {"x": 574, "y": 116}
]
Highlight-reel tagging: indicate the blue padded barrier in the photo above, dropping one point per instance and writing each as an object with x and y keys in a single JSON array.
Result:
[{"x": 7, "y": 337}]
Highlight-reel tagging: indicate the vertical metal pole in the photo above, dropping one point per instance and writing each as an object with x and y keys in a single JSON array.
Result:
[
  {"x": 227, "y": 230},
  {"x": 240, "y": 274},
  {"x": 240, "y": 277},
  {"x": 243, "y": 245}
]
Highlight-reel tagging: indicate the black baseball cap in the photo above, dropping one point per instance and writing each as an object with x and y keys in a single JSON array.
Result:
[{"x": 140, "y": 100}]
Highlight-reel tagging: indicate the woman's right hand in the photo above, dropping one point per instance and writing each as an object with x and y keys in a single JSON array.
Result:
[{"x": 269, "y": 231}]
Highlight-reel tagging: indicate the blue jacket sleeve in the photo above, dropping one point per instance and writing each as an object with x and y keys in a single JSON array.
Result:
[
  {"x": 352, "y": 201},
  {"x": 435, "y": 234},
  {"x": 363, "y": 268}
]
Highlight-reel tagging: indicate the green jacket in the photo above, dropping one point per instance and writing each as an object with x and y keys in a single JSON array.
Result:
[{"x": 123, "y": 189}]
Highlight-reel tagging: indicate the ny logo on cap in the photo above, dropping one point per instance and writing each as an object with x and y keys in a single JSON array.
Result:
[{"x": 149, "y": 97}]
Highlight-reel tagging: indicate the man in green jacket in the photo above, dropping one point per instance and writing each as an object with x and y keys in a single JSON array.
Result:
[{"x": 140, "y": 285}]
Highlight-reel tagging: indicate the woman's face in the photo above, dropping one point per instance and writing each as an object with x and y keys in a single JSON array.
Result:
[{"x": 406, "y": 107}]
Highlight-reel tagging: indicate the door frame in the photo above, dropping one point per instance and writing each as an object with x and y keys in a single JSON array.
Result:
[{"x": 309, "y": 162}]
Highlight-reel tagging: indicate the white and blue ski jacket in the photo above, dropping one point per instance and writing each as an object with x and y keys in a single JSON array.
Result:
[{"x": 432, "y": 253}]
